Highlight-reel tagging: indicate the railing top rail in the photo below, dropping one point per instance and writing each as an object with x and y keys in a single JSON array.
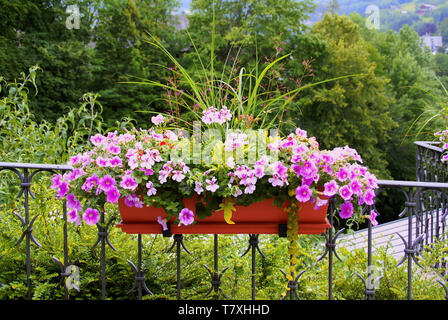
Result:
[
  {"x": 429, "y": 145},
  {"x": 412, "y": 184},
  {"x": 35, "y": 166}
]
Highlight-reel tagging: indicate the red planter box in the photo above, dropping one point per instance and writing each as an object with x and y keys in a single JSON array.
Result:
[{"x": 258, "y": 218}]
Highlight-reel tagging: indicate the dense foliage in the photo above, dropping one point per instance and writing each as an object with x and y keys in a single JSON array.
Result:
[
  {"x": 109, "y": 49},
  {"x": 160, "y": 265},
  {"x": 59, "y": 86}
]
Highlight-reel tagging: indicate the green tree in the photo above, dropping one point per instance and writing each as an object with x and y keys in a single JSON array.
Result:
[
  {"x": 400, "y": 58},
  {"x": 36, "y": 34},
  {"x": 122, "y": 55},
  {"x": 249, "y": 29},
  {"x": 443, "y": 28},
  {"x": 353, "y": 111}
]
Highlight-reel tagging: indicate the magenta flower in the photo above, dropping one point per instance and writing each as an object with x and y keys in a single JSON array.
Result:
[
  {"x": 106, "y": 183},
  {"x": 102, "y": 162},
  {"x": 319, "y": 203},
  {"x": 368, "y": 197},
  {"x": 373, "y": 215},
  {"x": 356, "y": 187},
  {"x": 296, "y": 168},
  {"x": 327, "y": 159},
  {"x": 90, "y": 182},
  {"x": 186, "y": 216},
  {"x": 114, "y": 149},
  {"x": 342, "y": 174},
  {"x": 259, "y": 171},
  {"x": 132, "y": 200},
  {"x": 73, "y": 217},
  {"x": 330, "y": 188},
  {"x": 371, "y": 179},
  {"x": 56, "y": 181},
  {"x": 74, "y": 174},
  {"x": 97, "y": 140},
  {"x": 113, "y": 195},
  {"x": 63, "y": 189},
  {"x": 91, "y": 216},
  {"x": 346, "y": 210},
  {"x": 74, "y": 160},
  {"x": 162, "y": 222},
  {"x": 280, "y": 174},
  {"x": 116, "y": 162},
  {"x": 308, "y": 170},
  {"x": 128, "y": 182},
  {"x": 73, "y": 203},
  {"x": 346, "y": 193},
  {"x": 280, "y": 169},
  {"x": 303, "y": 193},
  {"x": 148, "y": 172},
  {"x": 129, "y": 201}
]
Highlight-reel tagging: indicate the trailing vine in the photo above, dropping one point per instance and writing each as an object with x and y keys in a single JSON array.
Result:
[{"x": 292, "y": 236}]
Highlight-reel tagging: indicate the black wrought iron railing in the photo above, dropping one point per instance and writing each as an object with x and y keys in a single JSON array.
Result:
[
  {"x": 429, "y": 165},
  {"x": 416, "y": 208},
  {"x": 430, "y": 168}
]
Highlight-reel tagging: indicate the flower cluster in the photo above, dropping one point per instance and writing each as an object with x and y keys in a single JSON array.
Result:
[
  {"x": 443, "y": 137},
  {"x": 136, "y": 167},
  {"x": 213, "y": 115}
]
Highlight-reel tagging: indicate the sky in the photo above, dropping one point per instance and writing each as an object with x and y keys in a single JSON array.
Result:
[{"x": 185, "y": 5}]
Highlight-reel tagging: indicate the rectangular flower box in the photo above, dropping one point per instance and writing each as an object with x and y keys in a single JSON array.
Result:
[{"x": 258, "y": 218}]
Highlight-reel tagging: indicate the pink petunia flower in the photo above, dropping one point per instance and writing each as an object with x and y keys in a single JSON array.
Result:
[
  {"x": 73, "y": 217},
  {"x": 373, "y": 215},
  {"x": 345, "y": 193},
  {"x": 128, "y": 182},
  {"x": 342, "y": 174},
  {"x": 186, "y": 216},
  {"x": 91, "y": 216},
  {"x": 308, "y": 170},
  {"x": 369, "y": 197},
  {"x": 73, "y": 203},
  {"x": 102, "y": 162},
  {"x": 113, "y": 195},
  {"x": 63, "y": 189},
  {"x": 106, "y": 183},
  {"x": 303, "y": 193},
  {"x": 97, "y": 140},
  {"x": 114, "y": 149},
  {"x": 57, "y": 179},
  {"x": 162, "y": 222},
  {"x": 90, "y": 182},
  {"x": 356, "y": 186},
  {"x": 330, "y": 188},
  {"x": 346, "y": 210},
  {"x": 116, "y": 162}
]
